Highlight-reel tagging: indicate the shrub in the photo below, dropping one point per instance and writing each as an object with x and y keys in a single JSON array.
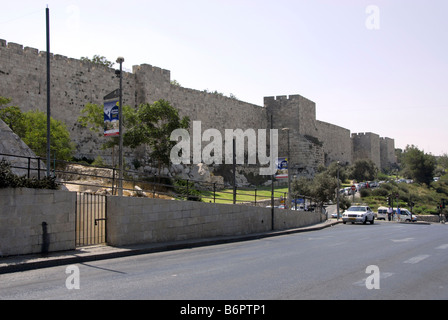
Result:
[
  {"x": 9, "y": 180},
  {"x": 380, "y": 192},
  {"x": 365, "y": 193},
  {"x": 186, "y": 190}
]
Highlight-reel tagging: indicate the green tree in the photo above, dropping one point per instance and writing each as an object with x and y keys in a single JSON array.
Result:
[
  {"x": 36, "y": 136},
  {"x": 322, "y": 187},
  {"x": 31, "y": 127},
  {"x": 301, "y": 187},
  {"x": 148, "y": 124},
  {"x": 333, "y": 169},
  {"x": 14, "y": 118},
  {"x": 363, "y": 170},
  {"x": 152, "y": 125},
  {"x": 100, "y": 60},
  {"x": 443, "y": 161},
  {"x": 92, "y": 117},
  {"x": 418, "y": 165}
]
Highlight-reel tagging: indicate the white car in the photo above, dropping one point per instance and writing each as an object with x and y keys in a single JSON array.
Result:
[
  {"x": 406, "y": 216},
  {"x": 358, "y": 214}
]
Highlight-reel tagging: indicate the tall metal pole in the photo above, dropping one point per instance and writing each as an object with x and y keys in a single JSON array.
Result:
[
  {"x": 272, "y": 179},
  {"x": 120, "y": 60},
  {"x": 337, "y": 195},
  {"x": 234, "y": 170},
  {"x": 289, "y": 175},
  {"x": 48, "y": 92},
  {"x": 288, "y": 199}
]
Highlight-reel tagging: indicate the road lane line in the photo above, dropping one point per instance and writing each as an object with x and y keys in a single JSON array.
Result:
[
  {"x": 442, "y": 247},
  {"x": 383, "y": 275},
  {"x": 403, "y": 240},
  {"x": 417, "y": 259}
]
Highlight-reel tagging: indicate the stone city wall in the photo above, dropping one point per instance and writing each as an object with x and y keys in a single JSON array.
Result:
[
  {"x": 74, "y": 83},
  {"x": 366, "y": 146},
  {"x": 336, "y": 143},
  {"x": 387, "y": 152}
]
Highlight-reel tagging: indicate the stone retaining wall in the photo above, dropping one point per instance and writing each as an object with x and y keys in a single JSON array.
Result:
[
  {"x": 146, "y": 220},
  {"x": 33, "y": 221}
]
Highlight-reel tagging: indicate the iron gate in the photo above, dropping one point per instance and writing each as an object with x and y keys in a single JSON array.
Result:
[{"x": 90, "y": 219}]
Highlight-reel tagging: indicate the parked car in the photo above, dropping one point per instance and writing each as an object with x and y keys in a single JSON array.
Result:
[
  {"x": 358, "y": 213},
  {"x": 406, "y": 216},
  {"x": 382, "y": 213},
  {"x": 335, "y": 215}
]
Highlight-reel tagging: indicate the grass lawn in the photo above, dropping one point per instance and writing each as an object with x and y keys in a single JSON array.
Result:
[{"x": 243, "y": 195}]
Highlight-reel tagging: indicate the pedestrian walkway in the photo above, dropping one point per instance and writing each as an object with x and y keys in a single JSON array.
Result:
[{"x": 92, "y": 253}]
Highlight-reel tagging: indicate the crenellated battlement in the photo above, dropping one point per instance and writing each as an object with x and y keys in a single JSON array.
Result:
[
  {"x": 363, "y": 135},
  {"x": 147, "y": 68}
]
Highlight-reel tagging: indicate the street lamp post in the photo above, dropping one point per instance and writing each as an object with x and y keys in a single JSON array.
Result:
[
  {"x": 289, "y": 171},
  {"x": 120, "y": 60},
  {"x": 48, "y": 94},
  {"x": 337, "y": 195}
]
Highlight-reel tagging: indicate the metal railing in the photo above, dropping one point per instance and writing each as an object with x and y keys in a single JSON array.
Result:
[{"x": 104, "y": 180}]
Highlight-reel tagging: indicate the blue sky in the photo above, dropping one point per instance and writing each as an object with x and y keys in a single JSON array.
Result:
[{"x": 391, "y": 80}]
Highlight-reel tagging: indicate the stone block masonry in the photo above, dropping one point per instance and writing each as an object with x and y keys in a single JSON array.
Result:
[
  {"x": 366, "y": 146},
  {"x": 147, "y": 220},
  {"x": 33, "y": 221},
  {"x": 75, "y": 83}
]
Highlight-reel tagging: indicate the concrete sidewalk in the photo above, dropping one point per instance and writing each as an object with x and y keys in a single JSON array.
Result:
[{"x": 86, "y": 254}]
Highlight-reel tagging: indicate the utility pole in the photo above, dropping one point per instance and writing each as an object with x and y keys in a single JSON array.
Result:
[
  {"x": 120, "y": 60},
  {"x": 337, "y": 195},
  {"x": 234, "y": 170},
  {"x": 48, "y": 92},
  {"x": 288, "y": 199},
  {"x": 272, "y": 178}
]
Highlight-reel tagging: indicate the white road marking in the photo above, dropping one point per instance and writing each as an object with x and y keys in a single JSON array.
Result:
[
  {"x": 383, "y": 275},
  {"x": 442, "y": 247},
  {"x": 403, "y": 240},
  {"x": 417, "y": 259}
]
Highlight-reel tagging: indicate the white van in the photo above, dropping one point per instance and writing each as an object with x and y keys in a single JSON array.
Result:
[
  {"x": 381, "y": 213},
  {"x": 405, "y": 215}
]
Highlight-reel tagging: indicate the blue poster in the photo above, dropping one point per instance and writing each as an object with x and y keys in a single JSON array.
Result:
[
  {"x": 111, "y": 118},
  {"x": 282, "y": 168}
]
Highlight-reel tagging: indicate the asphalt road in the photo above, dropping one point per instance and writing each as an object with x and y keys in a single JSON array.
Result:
[{"x": 404, "y": 261}]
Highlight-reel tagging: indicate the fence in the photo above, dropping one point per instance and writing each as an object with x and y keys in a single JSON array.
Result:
[{"x": 104, "y": 180}]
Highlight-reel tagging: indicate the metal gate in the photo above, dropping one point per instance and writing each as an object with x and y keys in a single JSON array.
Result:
[{"x": 90, "y": 219}]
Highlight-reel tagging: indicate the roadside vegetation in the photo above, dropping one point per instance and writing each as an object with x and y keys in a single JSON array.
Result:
[
  {"x": 421, "y": 199},
  {"x": 8, "y": 179},
  {"x": 419, "y": 182}
]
